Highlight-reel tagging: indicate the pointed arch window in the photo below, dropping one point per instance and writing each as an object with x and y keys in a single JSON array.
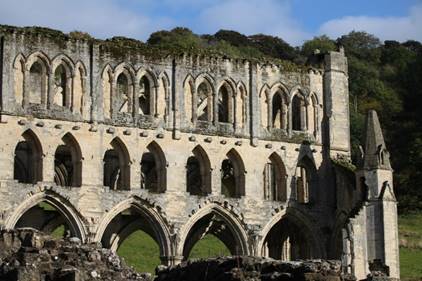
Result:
[
  {"x": 37, "y": 82},
  {"x": 299, "y": 113},
  {"x": 279, "y": 111},
  {"x": 154, "y": 169},
  {"x": 144, "y": 96},
  {"x": 28, "y": 159},
  {"x": 275, "y": 186},
  {"x": 61, "y": 86},
  {"x": 233, "y": 176},
  {"x": 68, "y": 163},
  {"x": 224, "y": 104},
  {"x": 116, "y": 170},
  {"x": 198, "y": 173},
  {"x": 305, "y": 180},
  {"x": 204, "y": 102},
  {"x": 123, "y": 91}
]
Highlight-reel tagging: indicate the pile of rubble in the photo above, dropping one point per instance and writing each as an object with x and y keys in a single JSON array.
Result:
[
  {"x": 253, "y": 269},
  {"x": 29, "y": 255}
]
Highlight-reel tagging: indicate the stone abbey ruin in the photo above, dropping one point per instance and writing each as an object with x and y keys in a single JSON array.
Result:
[{"x": 118, "y": 138}]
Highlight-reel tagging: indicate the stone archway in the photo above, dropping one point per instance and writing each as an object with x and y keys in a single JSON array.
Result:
[
  {"x": 291, "y": 236},
  {"x": 215, "y": 220},
  {"x": 65, "y": 213},
  {"x": 132, "y": 215}
]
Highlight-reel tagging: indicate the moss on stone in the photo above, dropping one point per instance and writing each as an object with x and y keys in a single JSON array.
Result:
[
  {"x": 344, "y": 163},
  {"x": 121, "y": 47}
]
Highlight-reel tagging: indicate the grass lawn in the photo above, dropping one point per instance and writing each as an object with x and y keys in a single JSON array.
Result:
[
  {"x": 141, "y": 251},
  {"x": 410, "y": 233}
]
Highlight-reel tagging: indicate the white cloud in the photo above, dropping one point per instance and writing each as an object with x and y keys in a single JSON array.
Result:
[
  {"x": 253, "y": 16},
  {"x": 386, "y": 28},
  {"x": 138, "y": 18},
  {"x": 101, "y": 18}
]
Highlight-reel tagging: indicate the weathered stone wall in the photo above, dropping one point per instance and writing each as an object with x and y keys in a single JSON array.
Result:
[{"x": 277, "y": 128}]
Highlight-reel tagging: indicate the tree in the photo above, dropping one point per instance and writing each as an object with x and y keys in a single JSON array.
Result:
[{"x": 322, "y": 43}]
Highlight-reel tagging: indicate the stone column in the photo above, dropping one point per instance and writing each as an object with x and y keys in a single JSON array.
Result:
[
  {"x": 269, "y": 110},
  {"x": 254, "y": 117},
  {"x": 50, "y": 92}
]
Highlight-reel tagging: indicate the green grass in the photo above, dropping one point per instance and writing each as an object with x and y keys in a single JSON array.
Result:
[
  {"x": 140, "y": 251},
  {"x": 410, "y": 235},
  {"x": 58, "y": 232},
  {"x": 410, "y": 264},
  {"x": 209, "y": 246}
]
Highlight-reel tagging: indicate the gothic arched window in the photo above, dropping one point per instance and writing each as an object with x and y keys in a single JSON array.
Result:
[
  {"x": 299, "y": 114},
  {"x": 144, "y": 97}
]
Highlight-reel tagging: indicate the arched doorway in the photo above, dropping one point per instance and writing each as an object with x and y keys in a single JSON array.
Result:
[
  {"x": 46, "y": 218},
  {"x": 213, "y": 232},
  {"x": 290, "y": 235},
  {"x": 47, "y": 212},
  {"x": 136, "y": 233},
  {"x": 286, "y": 241}
]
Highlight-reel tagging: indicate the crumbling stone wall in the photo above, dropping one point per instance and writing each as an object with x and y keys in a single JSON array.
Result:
[
  {"x": 28, "y": 255},
  {"x": 110, "y": 162}
]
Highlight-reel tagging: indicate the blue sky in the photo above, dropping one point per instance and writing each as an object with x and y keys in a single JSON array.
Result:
[{"x": 293, "y": 20}]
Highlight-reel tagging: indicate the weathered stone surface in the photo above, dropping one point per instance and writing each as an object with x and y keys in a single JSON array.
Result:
[
  {"x": 253, "y": 269},
  {"x": 109, "y": 133},
  {"x": 29, "y": 255}
]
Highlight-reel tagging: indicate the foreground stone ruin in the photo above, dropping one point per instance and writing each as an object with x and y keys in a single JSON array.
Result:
[
  {"x": 29, "y": 255},
  {"x": 254, "y": 269}
]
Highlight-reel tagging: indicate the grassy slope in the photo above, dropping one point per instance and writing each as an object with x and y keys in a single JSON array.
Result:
[{"x": 410, "y": 232}]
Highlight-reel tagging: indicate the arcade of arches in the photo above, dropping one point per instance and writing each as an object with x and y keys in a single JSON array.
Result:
[{"x": 208, "y": 236}]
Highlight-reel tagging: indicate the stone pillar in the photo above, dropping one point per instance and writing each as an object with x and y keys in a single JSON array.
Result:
[
  {"x": 254, "y": 116},
  {"x": 194, "y": 107},
  {"x": 153, "y": 101},
  {"x": 214, "y": 109},
  {"x": 48, "y": 168},
  {"x": 26, "y": 88},
  {"x": 269, "y": 110},
  {"x": 336, "y": 93},
  {"x": 135, "y": 105},
  {"x": 50, "y": 92},
  {"x": 176, "y": 89}
]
